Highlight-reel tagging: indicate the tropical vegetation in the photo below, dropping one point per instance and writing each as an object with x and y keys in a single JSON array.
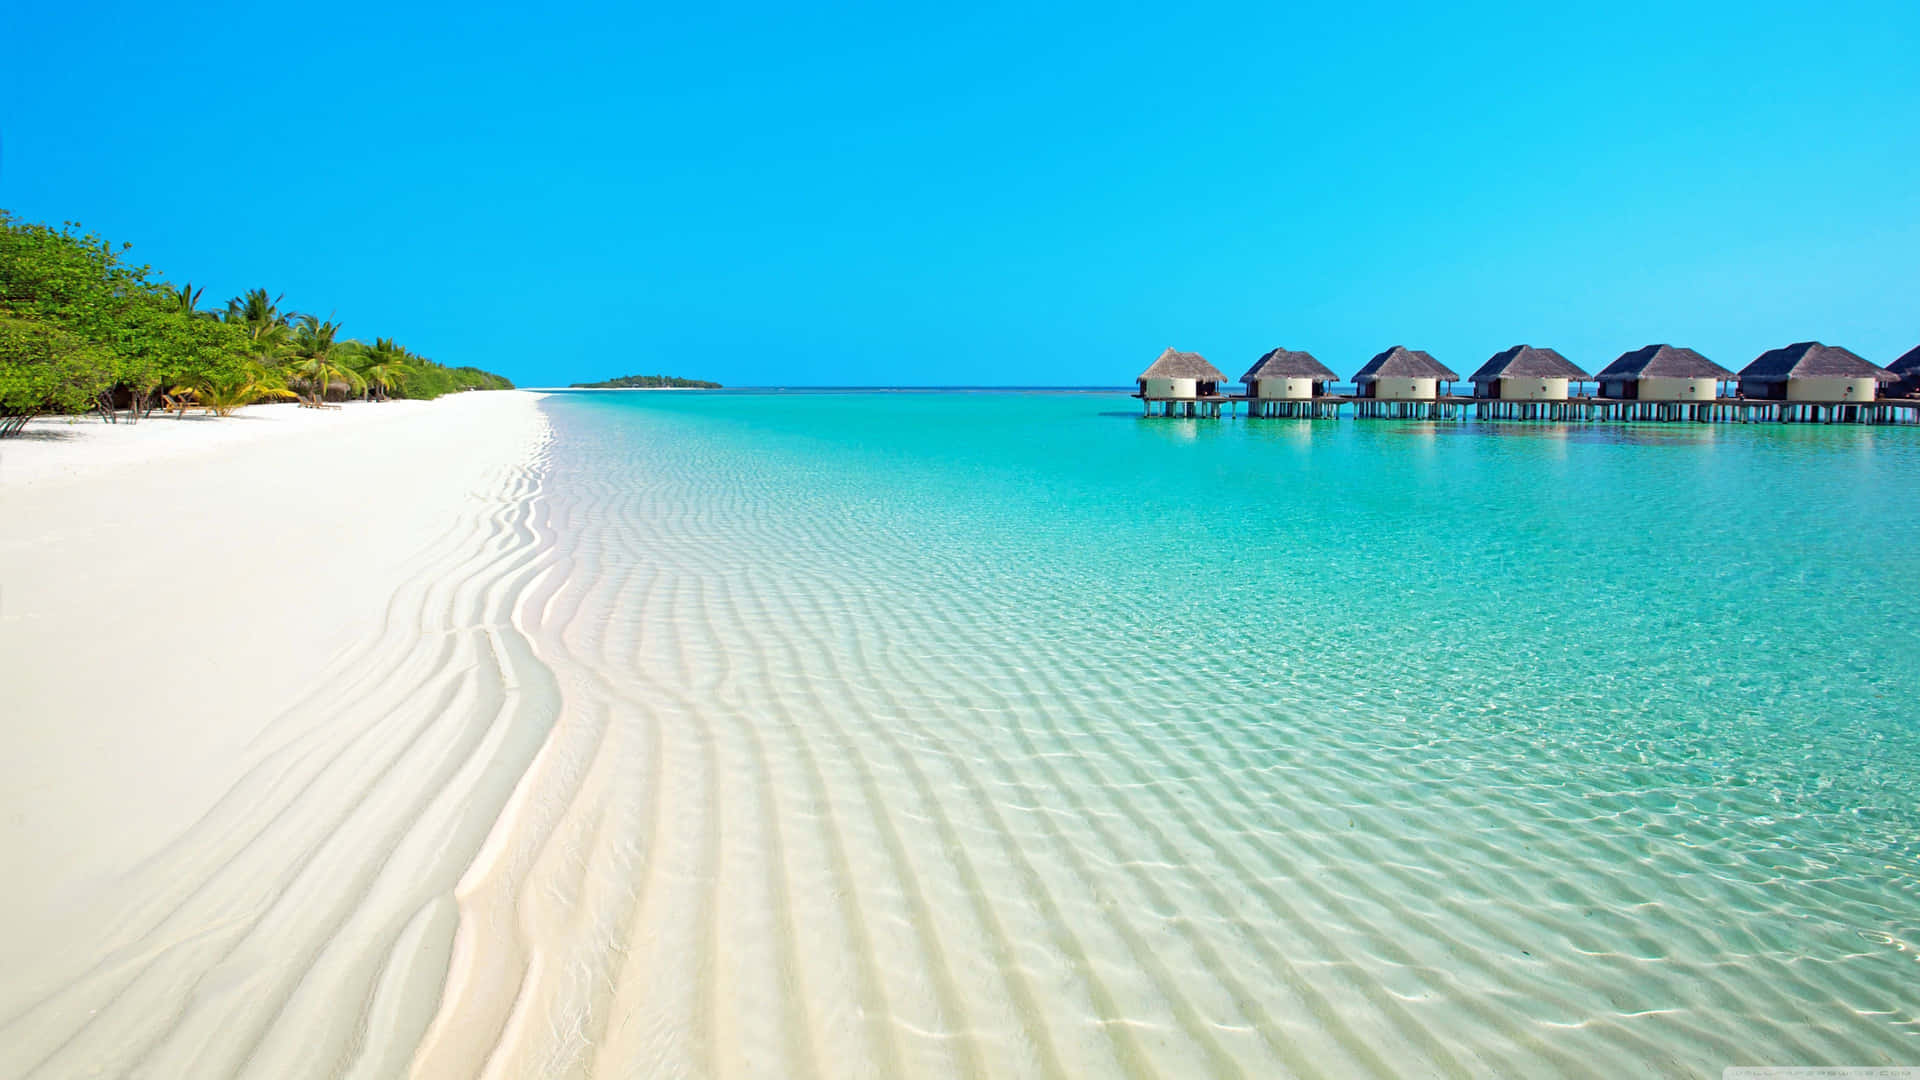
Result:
[
  {"x": 648, "y": 382},
  {"x": 82, "y": 328}
]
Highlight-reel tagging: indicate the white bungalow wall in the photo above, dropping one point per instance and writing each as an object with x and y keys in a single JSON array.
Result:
[
  {"x": 1830, "y": 389},
  {"x": 1533, "y": 389},
  {"x": 1406, "y": 389},
  {"x": 1283, "y": 389},
  {"x": 1667, "y": 388},
  {"x": 1171, "y": 388}
]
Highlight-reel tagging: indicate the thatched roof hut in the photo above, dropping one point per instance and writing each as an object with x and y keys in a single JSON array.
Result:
[
  {"x": 338, "y": 389},
  {"x": 1174, "y": 364},
  {"x": 1662, "y": 373},
  {"x": 1662, "y": 362},
  {"x": 1288, "y": 364},
  {"x": 1403, "y": 373},
  {"x": 1181, "y": 381},
  {"x": 1280, "y": 381},
  {"x": 1812, "y": 360},
  {"x": 1810, "y": 371},
  {"x": 1524, "y": 372},
  {"x": 1401, "y": 362},
  {"x": 1907, "y": 371}
]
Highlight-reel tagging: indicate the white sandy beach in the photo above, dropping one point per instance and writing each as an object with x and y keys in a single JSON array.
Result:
[{"x": 243, "y": 659}]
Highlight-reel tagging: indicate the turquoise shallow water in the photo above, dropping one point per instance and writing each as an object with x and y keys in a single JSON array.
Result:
[{"x": 1015, "y": 734}]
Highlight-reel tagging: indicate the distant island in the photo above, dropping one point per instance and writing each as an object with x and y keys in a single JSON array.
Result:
[{"x": 649, "y": 382}]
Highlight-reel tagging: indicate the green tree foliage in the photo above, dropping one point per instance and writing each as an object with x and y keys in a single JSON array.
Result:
[
  {"x": 82, "y": 328},
  {"x": 246, "y": 384},
  {"x": 648, "y": 382},
  {"x": 319, "y": 361},
  {"x": 269, "y": 330},
  {"x": 89, "y": 329},
  {"x": 385, "y": 364},
  {"x": 45, "y": 369},
  {"x": 186, "y": 301},
  {"x": 430, "y": 380}
]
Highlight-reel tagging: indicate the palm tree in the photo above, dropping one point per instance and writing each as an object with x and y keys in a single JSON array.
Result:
[
  {"x": 317, "y": 359},
  {"x": 255, "y": 310},
  {"x": 268, "y": 328},
  {"x": 228, "y": 390},
  {"x": 186, "y": 300},
  {"x": 387, "y": 362}
]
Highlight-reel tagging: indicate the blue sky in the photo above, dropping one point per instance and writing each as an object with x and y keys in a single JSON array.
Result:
[{"x": 995, "y": 193}]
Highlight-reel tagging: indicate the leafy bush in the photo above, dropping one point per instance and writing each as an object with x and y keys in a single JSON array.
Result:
[
  {"x": 45, "y": 369},
  {"x": 426, "y": 379}
]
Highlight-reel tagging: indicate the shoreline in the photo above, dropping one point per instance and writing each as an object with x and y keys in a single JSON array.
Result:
[
  {"x": 270, "y": 700},
  {"x": 55, "y": 449}
]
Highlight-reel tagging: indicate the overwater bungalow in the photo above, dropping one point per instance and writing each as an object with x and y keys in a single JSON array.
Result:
[
  {"x": 1812, "y": 372},
  {"x": 1662, "y": 373},
  {"x": 1183, "y": 382},
  {"x": 1288, "y": 383},
  {"x": 1403, "y": 374},
  {"x": 1401, "y": 382},
  {"x": 1907, "y": 371},
  {"x": 1524, "y": 373}
]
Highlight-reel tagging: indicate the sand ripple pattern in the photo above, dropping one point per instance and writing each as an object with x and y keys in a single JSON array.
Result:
[
  {"x": 849, "y": 783},
  {"x": 303, "y": 926}
]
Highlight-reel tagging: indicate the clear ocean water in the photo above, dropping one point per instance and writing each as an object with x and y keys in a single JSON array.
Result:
[{"x": 1013, "y": 734}]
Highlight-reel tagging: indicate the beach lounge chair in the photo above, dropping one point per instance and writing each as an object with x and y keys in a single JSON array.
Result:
[{"x": 180, "y": 404}]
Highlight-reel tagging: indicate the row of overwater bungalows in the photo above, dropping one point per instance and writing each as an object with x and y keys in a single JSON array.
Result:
[{"x": 1282, "y": 380}]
